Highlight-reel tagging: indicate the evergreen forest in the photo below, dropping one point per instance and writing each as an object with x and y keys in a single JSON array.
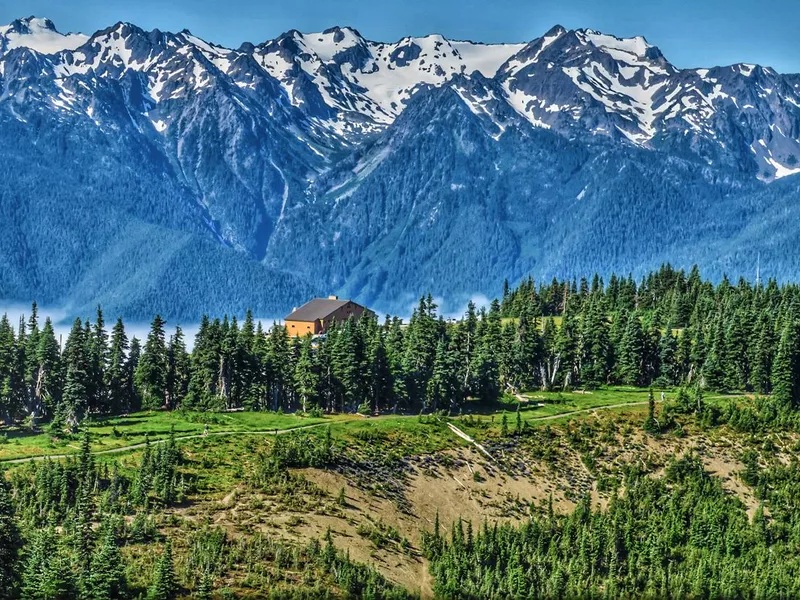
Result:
[{"x": 79, "y": 526}]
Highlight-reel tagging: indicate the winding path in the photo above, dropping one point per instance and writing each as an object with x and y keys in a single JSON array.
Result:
[{"x": 588, "y": 410}]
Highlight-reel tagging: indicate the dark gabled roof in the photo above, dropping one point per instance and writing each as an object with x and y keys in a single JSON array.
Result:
[{"x": 317, "y": 309}]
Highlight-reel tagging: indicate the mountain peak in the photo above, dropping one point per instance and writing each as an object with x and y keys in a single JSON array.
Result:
[
  {"x": 38, "y": 34},
  {"x": 32, "y": 25},
  {"x": 637, "y": 46},
  {"x": 555, "y": 31},
  {"x": 340, "y": 32}
]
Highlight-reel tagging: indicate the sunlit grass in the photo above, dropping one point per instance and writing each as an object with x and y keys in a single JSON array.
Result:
[
  {"x": 409, "y": 433},
  {"x": 122, "y": 431}
]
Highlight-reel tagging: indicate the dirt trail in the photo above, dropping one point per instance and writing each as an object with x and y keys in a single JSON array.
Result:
[{"x": 588, "y": 410}]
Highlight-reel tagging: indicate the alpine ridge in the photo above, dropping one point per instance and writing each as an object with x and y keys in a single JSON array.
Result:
[{"x": 154, "y": 171}]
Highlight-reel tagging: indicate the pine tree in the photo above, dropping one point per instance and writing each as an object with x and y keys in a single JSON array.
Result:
[
  {"x": 382, "y": 380},
  {"x": 714, "y": 366},
  {"x": 97, "y": 343},
  {"x": 133, "y": 397},
  {"x": 151, "y": 373},
  {"x": 280, "y": 368},
  {"x": 205, "y": 587},
  {"x": 442, "y": 386},
  {"x": 10, "y": 542},
  {"x": 650, "y": 424},
  {"x": 76, "y": 392},
  {"x": 205, "y": 361},
  {"x": 47, "y": 379},
  {"x": 12, "y": 372},
  {"x": 631, "y": 352},
  {"x": 683, "y": 356},
  {"x": 178, "y": 370},
  {"x": 526, "y": 352},
  {"x": 226, "y": 370},
  {"x": 163, "y": 586},
  {"x": 595, "y": 345},
  {"x": 34, "y": 403},
  {"x": 84, "y": 509},
  {"x": 348, "y": 362},
  {"x": 737, "y": 359},
  {"x": 107, "y": 578},
  {"x": 698, "y": 354},
  {"x": 468, "y": 332},
  {"x": 306, "y": 377},
  {"x": 785, "y": 388},
  {"x": 762, "y": 353},
  {"x": 486, "y": 366},
  {"x": 667, "y": 355},
  {"x": 566, "y": 348},
  {"x": 116, "y": 374},
  {"x": 247, "y": 374},
  {"x": 48, "y": 573}
]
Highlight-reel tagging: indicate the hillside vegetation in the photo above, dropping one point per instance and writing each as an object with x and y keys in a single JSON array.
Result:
[{"x": 642, "y": 444}]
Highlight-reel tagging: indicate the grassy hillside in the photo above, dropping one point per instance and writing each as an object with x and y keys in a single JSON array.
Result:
[{"x": 266, "y": 500}]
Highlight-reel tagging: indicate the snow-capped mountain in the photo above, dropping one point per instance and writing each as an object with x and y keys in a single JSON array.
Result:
[
  {"x": 360, "y": 86},
  {"x": 348, "y": 88},
  {"x": 742, "y": 116},
  {"x": 39, "y": 35},
  {"x": 337, "y": 161}
]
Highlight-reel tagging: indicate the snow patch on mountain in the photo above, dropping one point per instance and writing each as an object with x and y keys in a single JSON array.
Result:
[
  {"x": 485, "y": 58},
  {"x": 335, "y": 89},
  {"x": 39, "y": 35}
]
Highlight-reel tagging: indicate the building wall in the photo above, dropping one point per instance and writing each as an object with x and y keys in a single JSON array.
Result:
[{"x": 303, "y": 328}]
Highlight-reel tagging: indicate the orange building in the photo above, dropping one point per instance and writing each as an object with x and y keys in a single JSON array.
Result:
[{"x": 316, "y": 317}]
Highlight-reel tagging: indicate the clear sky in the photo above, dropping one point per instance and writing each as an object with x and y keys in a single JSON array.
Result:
[{"x": 691, "y": 33}]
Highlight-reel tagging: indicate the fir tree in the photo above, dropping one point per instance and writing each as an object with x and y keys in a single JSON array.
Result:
[
  {"x": 178, "y": 370},
  {"x": 306, "y": 377},
  {"x": 651, "y": 424},
  {"x": 76, "y": 358},
  {"x": 133, "y": 397},
  {"x": 785, "y": 388},
  {"x": 10, "y": 542},
  {"x": 631, "y": 352},
  {"x": 107, "y": 578},
  {"x": 151, "y": 373},
  {"x": 116, "y": 375},
  {"x": 163, "y": 586}
]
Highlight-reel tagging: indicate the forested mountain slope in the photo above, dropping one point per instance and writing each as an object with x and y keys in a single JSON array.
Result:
[{"x": 154, "y": 171}]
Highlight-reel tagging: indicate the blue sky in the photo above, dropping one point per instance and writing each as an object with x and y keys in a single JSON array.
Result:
[{"x": 691, "y": 33}]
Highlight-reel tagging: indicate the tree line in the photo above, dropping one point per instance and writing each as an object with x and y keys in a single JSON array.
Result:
[{"x": 669, "y": 329}]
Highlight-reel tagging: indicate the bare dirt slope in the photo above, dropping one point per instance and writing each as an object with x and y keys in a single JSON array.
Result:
[{"x": 511, "y": 484}]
